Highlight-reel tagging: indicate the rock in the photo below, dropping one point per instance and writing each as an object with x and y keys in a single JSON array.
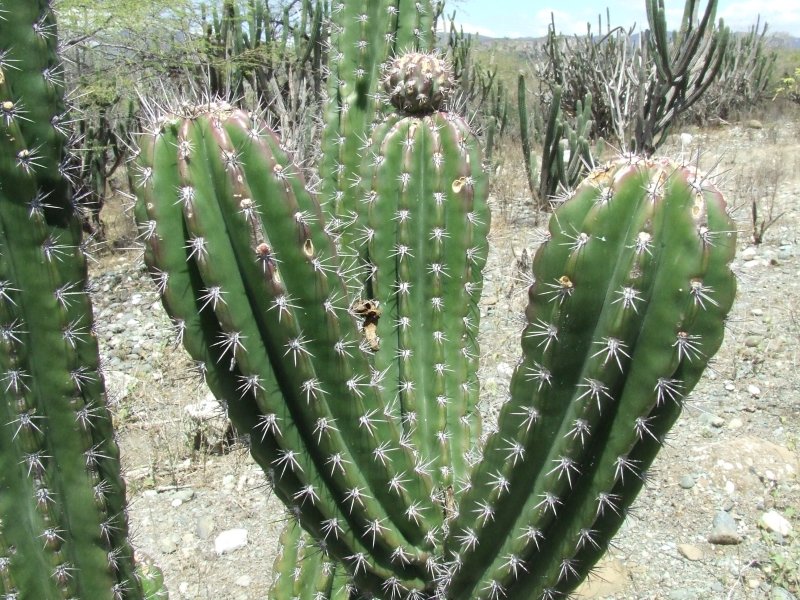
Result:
[
  {"x": 184, "y": 495},
  {"x": 204, "y": 527},
  {"x": 682, "y": 594},
  {"x": 723, "y": 530},
  {"x": 119, "y": 385},
  {"x": 774, "y": 521},
  {"x": 752, "y": 341},
  {"x": 230, "y": 540},
  {"x": 505, "y": 370},
  {"x": 244, "y": 581},
  {"x": 690, "y": 552},
  {"x": 754, "y": 390},
  {"x": 748, "y": 253},
  {"x": 779, "y": 593},
  {"x": 168, "y": 544},
  {"x": 686, "y": 482},
  {"x": 754, "y": 124},
  {"x": 206, "y": 426}
]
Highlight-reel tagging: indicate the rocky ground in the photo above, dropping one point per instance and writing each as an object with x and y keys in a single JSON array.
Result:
[{"x": 720, "y": 518}]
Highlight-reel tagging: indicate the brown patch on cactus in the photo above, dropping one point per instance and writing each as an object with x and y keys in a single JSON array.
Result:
[
  {"x": 458, "y": 184},
  {"x": 370, "y": 312},
  {"x": 308, "y": 248}
]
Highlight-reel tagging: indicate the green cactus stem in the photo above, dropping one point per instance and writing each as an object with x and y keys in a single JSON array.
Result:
[
  {"x": 239, "y": 251},
  {"x": 63, "y": 525},
  {"x": 629, "y": 302},
  {"x": 424, "y": 232}
]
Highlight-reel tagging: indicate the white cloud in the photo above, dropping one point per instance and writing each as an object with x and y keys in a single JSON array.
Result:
[
  {"x": 782, "y": 15},
  {"x": 470, "y": 28}
]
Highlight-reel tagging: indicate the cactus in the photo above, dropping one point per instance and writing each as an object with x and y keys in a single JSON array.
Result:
[
  {"x": 345, "y": 343},
  {"x": 566, "y": 152},
  {"x": 640, "y": 89},
  {"x": 63, "y": 525}
]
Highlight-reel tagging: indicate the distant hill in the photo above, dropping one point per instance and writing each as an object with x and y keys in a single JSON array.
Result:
[{"x": 776, "y": 40}]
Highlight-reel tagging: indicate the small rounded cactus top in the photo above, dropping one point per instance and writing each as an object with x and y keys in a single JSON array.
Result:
[{"x": 418, "y": 83}]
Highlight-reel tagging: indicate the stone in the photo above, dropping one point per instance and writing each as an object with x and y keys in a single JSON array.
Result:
[
  {"x": 724, "y": 530},
  {"x": 206, "y": 426},
  {"x": 754, "y": 390},
  {"x": 184, "y": 495},
  {"x": 168, "y": 544},
  {"x": 773, "y": 521},
  {"x": 244, "y": 581},
  {"x": 748, "y": 253},
  {"x": 690, "y": 552},
  {"x": 119, "y": 385},
  {"x": 779, "y": 593},
  {"x": 754, "y": 124},
  {"x": 752, "y": 341},
  {"x": 230, "y": 540},
  {"x": 204, "y": 527},
  {"x": 686, "y": 482}
]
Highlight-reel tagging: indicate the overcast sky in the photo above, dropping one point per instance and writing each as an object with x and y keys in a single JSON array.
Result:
[{"x": 522, "y": 18}]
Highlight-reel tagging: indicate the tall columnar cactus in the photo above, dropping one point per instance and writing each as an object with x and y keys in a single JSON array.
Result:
[
  {"x": 344, "y": 342},
  {"x": 566, "y": 152},
  {"x": 63, "y": 526}
]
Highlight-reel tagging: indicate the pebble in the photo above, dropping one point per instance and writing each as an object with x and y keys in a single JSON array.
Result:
[
  {"x": 752, "y": 341},
  {"x": 204, "y": 527},
  {"x": 244, "y": 581},
  {"x": 690, "y": 552},
  {"x": 168, "y": 544},
  {"x": 682, "y": 594},
  {"x": 754, "y": 390},
  {"x": 779, "y": 593},
  {"x": 184, "y": 495},
  {"x": 774, "y": 521},
  {"x": 748, "y": 253},
  {"x": 723, "y": 530},
  {"x": 230, "y": 540},
  {"x": 686, "y": 482}
]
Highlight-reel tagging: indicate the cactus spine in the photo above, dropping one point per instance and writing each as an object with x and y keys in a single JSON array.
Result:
[
  {"x": 344, "y": 341},
  {"x": 63, "y": 526}
]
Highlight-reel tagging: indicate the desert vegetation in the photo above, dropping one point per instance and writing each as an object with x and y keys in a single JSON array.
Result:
[{"x": 253, "y": 309}]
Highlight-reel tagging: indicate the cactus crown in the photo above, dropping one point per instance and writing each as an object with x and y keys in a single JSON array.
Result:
[{"x": 418, "y": 83}]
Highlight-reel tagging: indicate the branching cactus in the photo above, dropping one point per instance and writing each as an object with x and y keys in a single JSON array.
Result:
[
  {"x": 63, "y": 526},
  {"x": 344, "y": 340}
]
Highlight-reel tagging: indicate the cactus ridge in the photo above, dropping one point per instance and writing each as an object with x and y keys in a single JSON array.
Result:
[{"x": 63, "y": 525}]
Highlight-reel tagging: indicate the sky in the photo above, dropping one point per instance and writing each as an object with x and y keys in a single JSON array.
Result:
[{"x": 523, "y": 18}]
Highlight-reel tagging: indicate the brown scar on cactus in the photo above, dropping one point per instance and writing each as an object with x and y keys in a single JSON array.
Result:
[{"x": 370, "y": 312}]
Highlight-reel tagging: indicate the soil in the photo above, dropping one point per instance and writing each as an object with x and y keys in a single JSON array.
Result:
[{"x": 735, "y": 449}]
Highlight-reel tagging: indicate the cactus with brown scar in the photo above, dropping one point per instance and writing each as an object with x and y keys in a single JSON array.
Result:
[{"x": 344, "y": 340}]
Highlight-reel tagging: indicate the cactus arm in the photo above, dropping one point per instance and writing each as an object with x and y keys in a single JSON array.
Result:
[
  {"x": 214, "y": 211},
  {"x": 426, "y": 180},
  {"x": 525, "y": 137},
  {"x": 617, "y": 392},
  {"x": 63, "y": 528}
]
